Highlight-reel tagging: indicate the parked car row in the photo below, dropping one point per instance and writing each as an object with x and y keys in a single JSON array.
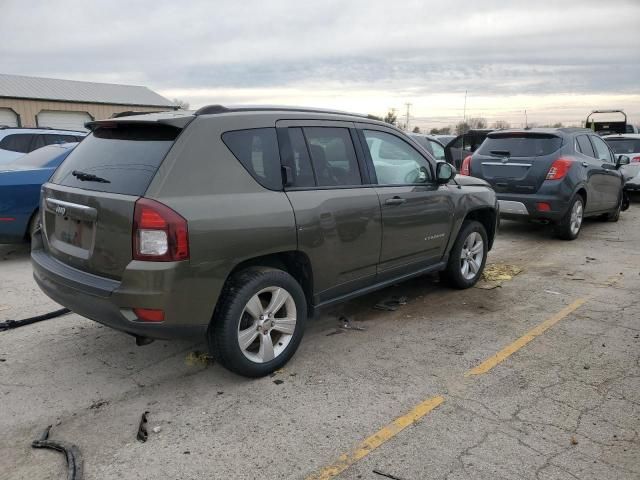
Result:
[
  {"x": 554, "y": 175},
  {"x": 236, "y": 224}
]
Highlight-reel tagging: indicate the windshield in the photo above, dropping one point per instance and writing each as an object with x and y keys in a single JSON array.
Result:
[
  {"x": 624, "y": 145},
  {"x": 122, "y": 158},
  {"x": 43, "y": 157},
  {"x": 520, "y": 145}
]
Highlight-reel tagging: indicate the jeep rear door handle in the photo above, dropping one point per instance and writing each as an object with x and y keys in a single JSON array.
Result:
[
  {"x": 395, "y": 201},
  {"x": 585, "y": 164}
]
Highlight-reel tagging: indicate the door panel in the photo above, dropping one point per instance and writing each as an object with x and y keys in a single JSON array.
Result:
[
  {"x": 340, "y": 231},
  {"x": 610, "y": 181},
  {"x": 416, "y": 224},
  {"x": 416, "y": 212}
]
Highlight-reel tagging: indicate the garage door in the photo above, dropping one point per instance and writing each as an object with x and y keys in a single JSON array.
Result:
[
  {"x": 8, "y": 117},
  {"x": 61, "y": 119}
]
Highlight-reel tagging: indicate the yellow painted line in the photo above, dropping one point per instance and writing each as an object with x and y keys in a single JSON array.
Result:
[
  {"x": 374, "y": 441},
  {"x": 509, "y": 350}
]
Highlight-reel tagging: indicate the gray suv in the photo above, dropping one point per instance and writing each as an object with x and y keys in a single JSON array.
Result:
[{"x": 236, "y": 224}]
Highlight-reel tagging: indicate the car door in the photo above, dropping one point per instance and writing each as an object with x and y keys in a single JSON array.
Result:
[
  {"x": 416, "y": 212},
  {"x": 611, "y": 183},
  {"x": 337, "y": 213},
  {"x": 593, "y": 172}
]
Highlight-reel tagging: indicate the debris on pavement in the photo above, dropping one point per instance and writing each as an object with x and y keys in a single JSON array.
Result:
[
  {"x": 496, "y": 273},
  {"x": 157, "y": 429},
  {"x": 10, "y": 324},
  {"x": 347, "y": 325},
  {"x": 574, "y": 440},
  {"x": 71, "y": 452},
  {"x": 388, "y": 475},
  {"x": 98, "y": 404},
  {"x": 391, "y": 304},
  {"x": 143, "y": 433},
  {"x": 277, "y": 381},
  {"x": 553, "y": 292},
  {"x": 198, "y": 358}
]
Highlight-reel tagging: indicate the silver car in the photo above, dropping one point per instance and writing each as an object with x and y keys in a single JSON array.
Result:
[{"x": 627, "y": 144}]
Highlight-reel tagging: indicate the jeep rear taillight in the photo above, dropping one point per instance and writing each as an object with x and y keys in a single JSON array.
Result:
[
  {"x": 159, "y": 233},
  {"x": 559, "y": 169},
  {"x": 466, "y": 166}
]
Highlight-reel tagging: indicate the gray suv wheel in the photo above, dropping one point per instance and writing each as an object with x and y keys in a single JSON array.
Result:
[{"x": 259, "y": 322}]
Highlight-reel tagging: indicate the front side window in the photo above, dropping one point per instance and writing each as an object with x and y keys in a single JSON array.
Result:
[
  {"x": 17, "y": 142},
  {"x": 257, "y": 150},
  {"x": 602, "y": 151},
  {"x": 395, "y": 161},
  {"x": 333, "y": 156}
]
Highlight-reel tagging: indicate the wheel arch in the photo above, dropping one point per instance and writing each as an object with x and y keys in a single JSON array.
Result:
[
  {"x": 487, "y": 216},
  {"x": 294, "y": 262}
]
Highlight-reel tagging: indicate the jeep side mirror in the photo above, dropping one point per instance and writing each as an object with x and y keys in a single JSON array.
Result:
[
  {"x": 444, "y": 172},
  {"x": 622, "y": 160}
]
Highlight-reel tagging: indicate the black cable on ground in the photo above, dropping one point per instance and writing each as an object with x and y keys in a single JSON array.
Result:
[
  {"x": 9, "y": 324},
  {"x": 71, "y": 452}
]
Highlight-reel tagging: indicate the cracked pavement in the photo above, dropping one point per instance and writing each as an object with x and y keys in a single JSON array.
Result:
[{"x": 565, "y": 406}]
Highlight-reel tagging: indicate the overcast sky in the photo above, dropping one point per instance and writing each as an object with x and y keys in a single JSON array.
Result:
[{"x": 558, "y": 59}]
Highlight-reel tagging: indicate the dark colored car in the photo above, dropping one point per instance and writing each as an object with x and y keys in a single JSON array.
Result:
[
  {"x": 464, "y": 145},
  {"x": 20, "y": 183},
  {"x": 431, "y": 145},
  {"x": 234, "y": 224},
  {"x": 556, "y": 175}
]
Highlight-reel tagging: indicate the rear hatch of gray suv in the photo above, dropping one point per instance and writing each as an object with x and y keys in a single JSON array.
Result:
[
  {"x": 515, "y": 162},
  {"x": 88, "y": 205}
]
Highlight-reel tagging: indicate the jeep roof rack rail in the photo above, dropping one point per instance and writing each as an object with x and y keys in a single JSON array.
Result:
[{"x": 217, "y": 109}]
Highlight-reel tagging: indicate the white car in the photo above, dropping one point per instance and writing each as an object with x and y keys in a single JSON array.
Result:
[
  {"x": 16, "y": 142},
  {"x": 627, "y": 144}
]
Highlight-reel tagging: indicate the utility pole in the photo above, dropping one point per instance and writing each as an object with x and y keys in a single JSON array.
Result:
[
  {"x": 526, "y": 121},
  {"x": 407, "y": 122},
  {"x": 464, "y": 111}
]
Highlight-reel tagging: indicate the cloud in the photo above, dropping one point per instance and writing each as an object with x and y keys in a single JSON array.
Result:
[{"x": 413, "y": 52}]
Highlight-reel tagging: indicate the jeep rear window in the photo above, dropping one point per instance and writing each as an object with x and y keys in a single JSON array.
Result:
[
  {"x": 124, "y": 156},
  {"x": 520, "y": 145}
]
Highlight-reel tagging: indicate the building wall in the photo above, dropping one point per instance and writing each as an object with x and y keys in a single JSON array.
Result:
[{"x": 28, "y": 109}]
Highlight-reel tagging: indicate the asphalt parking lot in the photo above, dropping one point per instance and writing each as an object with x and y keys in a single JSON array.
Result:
[{"x": 558, "y": 399}]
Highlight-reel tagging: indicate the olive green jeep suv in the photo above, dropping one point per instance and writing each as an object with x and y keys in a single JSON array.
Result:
[{"x": 235, "y": 224}]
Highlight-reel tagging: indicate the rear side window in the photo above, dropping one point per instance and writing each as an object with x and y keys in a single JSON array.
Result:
[
  {"x": 520, "y": 145},
  {"x": 18, "y": 142},
  {"x": 123, "y": 157},
  {"x": 624, "y": 145},
  {"x": 257, "y": 150},
  {"x": 302, "y": 171},
  {"x": 333, "y": 156},
  {"x": 584, "y": 146}
]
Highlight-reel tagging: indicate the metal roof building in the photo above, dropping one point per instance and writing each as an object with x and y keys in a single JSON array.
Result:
[{"x": 48, "y": 102}]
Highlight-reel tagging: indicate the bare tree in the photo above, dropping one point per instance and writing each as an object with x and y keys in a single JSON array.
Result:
[
  {"x": 416, "y": 129},
  {"x": 391, "y": 117},
  {"x": 477, "y": 122},
  {"x": 498, "y": 124},
  {"x": 462, "y": 127},
  {"x": 441, "y": 131},
  {"x": 181, "y": 104}
]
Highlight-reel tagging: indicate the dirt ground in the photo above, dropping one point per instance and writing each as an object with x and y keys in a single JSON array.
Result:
[{"x": 566, "y": 405}]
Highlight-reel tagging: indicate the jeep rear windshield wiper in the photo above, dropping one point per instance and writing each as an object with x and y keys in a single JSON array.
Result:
[
  {"x": 89, "y": 177},
  {"x": 502, "y": 153}
]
